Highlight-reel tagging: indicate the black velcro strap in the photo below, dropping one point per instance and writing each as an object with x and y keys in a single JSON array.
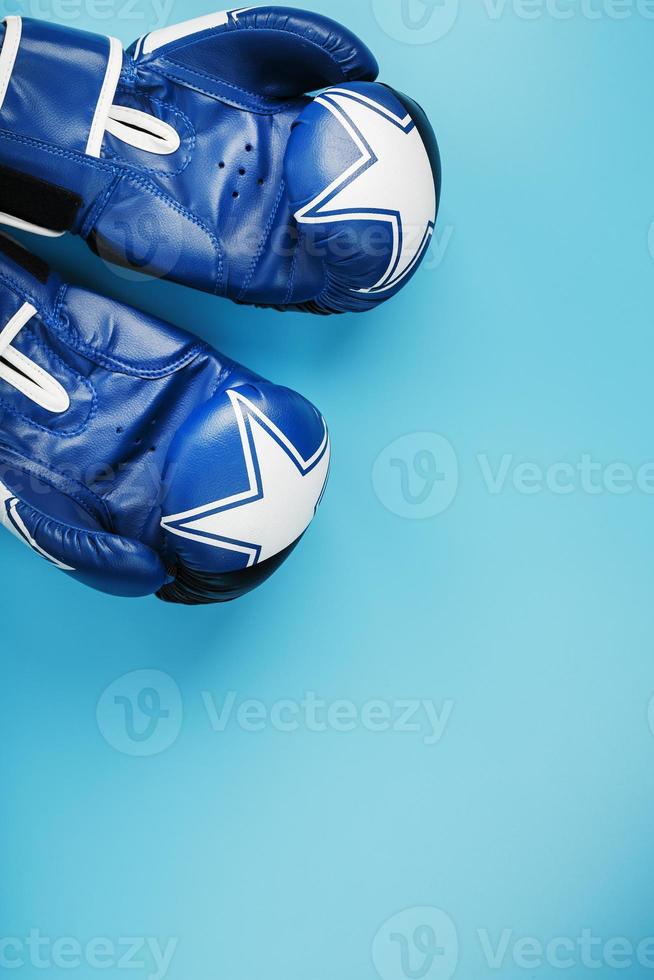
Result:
[
  {"x": 37, "y": 201},
  {"x": 197, "y": 589},
  {"x": 31, "y": 263}
]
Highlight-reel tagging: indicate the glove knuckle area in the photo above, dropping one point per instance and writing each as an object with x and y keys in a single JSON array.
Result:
[
  {"x": 363, "y": 175},
  {"x": 243, "y": 481}
]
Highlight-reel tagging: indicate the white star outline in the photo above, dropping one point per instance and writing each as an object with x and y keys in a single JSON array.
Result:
[
  {"x": 284, "y": 492},
  {"x": 388, "y": 169}
]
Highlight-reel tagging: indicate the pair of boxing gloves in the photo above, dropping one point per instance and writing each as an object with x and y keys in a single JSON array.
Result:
[{"x": 132, "y": 456}]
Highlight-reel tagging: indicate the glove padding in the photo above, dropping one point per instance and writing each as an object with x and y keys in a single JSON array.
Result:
[
  {"x": 198, "y": 156},
  {"x": 135, "y": 458}
]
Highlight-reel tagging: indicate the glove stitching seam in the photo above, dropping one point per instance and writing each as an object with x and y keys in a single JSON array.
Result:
[
  {"x": 190, "y": 42},
  {"x": 122, "y": 367},
  {"x": 293, "y": 270},
  {"x": 14, "y": 286},
  {"x": 146, "y": 184},
  {"x": 49, "y": 322},
  {"x": 59, "y": 433},
  {"x": 156, "y": 504},
  {"x": 91, "y": 162},
  {"x": 78, "y": 158},
  {"x": 109, "y": 536},
  {"x": 96, "y": 211},
  {"x": 264, "y": 240},
  {"x": 271, "y": 108},
  {"x": 175, "y": 206}
]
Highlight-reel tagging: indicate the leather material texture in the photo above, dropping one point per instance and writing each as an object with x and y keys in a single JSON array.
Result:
[
  {"x": 262, "y": 192},
  {"x": 172, "y": 469}
]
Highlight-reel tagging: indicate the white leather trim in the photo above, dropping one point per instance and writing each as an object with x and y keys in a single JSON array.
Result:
[
  {"x": 15, "y": 325},
  {"x": 158, "y": 39},
  {"x": 16, "y": 526},
  {"x": 30, "y": 379},
  {"x": 11, "y": 222},
  {"x": 107, "y": 93},
  {"x": 142, "y": 130},
  {"x": 10, "y": 45}
]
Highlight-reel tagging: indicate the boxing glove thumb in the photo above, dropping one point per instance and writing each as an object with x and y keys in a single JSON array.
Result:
[{"x": 76, "y": 540}]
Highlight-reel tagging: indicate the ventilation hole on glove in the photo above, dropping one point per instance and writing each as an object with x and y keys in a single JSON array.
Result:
[
  {"x": 261, "y": 182},
  {"x": 235, "y": 195},
  {"x": 152, "y": 449},
  {"x": 222, "y": 164},
  {"x": 241, "y": 171},
  {"x": 248, "y": 148},
  {"x": 119, "y": 430},
  {"x": 137, "y": 442}
]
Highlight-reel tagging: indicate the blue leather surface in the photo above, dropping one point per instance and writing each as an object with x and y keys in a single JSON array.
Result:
[
  {"x": 218, "y": 213},
  {"x": 33, "y": 107},
  {"x": 150, "y": 432}
]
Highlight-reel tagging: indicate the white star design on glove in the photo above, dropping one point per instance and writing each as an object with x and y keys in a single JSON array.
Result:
[
  {"x": 392, "y": 181},
  {"x": 281, "y": 500}
]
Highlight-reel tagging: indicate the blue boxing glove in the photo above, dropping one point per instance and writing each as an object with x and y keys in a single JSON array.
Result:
[
  {"x": 198, "y": 156},
  {"x": 135, "y": 458}
]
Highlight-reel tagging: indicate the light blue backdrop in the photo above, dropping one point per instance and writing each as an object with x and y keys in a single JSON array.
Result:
[{"x": 504, "y": 828}]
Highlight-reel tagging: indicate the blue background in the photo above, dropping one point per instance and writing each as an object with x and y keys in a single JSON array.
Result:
[{"x": 529, "y": 336}]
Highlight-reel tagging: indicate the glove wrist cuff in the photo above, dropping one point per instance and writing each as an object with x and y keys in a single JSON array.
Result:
[
  {"x": 70, "y": 76},
  {"x": 57, "y": 87}
]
